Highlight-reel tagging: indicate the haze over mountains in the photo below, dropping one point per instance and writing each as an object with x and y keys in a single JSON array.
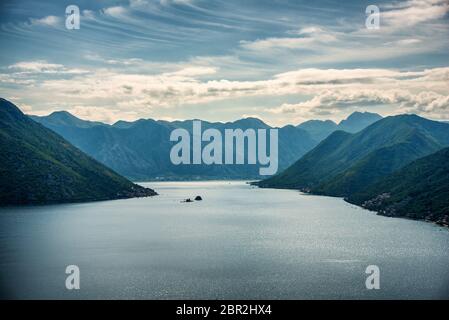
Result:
[
  {"x": 38, "y": 166},
  {"x": 140, "y": 150}
]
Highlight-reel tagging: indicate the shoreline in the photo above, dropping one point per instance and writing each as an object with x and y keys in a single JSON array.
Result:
[{"x": 308, "y": 192}]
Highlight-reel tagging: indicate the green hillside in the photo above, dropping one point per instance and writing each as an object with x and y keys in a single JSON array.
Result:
[
  {"x": 345, "y": 163},
  {"x": 420, "y": 190},
  {"x": 38, "y": 166}
]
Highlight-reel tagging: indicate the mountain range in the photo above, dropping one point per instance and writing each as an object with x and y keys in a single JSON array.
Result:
[
  {"x": 397, "y": 166},
  {"x": 37, "y": 166},
  {"x": 346, "y": 164},
  {"x": 321, "y": 129},
  {"x": 140, "y": 150}
]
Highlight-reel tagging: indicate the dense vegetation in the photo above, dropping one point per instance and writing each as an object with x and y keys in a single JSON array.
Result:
[
  {"x": 347, "y": 164},
  {"x": 38, "y": 166},
  {"x": 420, "y": 190}
]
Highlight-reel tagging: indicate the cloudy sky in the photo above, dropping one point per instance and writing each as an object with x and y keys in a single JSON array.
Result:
[{"x": 282, "y": 61}]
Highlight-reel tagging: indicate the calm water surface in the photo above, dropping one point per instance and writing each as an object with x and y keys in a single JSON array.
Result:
[{"x": 240, "y": 242}]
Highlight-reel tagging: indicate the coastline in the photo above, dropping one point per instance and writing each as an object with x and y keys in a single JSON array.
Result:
[{"x": 444, "y": 223}]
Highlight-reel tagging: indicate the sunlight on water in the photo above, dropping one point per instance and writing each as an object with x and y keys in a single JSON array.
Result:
[{"x": 239, "y": 242}]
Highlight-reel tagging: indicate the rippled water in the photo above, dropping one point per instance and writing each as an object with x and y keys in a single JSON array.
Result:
[{"x": 240, "y": 242}]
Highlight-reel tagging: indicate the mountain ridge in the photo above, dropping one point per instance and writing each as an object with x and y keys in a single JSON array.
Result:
[
  {"x": 398, "y": 166},
  {"x": 39, "y": 167},
  {"x": 116, "y": 146},
  {"x": 356, "y": 121},
  {"x": 140, "y": 149},
  {"x": 323, "y": 169}
]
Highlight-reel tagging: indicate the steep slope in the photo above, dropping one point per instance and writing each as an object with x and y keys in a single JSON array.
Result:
[
  {"x": 343, "y": 163},
  {"x": 420, "y": 190},
  {"x": 379, "y": 163},
  {"x": 38, "y": 166},
  {"x": 312, "y": 167},
  {"x": 140, "y": 150}
]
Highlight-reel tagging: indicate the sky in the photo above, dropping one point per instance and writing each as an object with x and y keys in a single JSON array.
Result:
[{"x": 282, "y": 61}]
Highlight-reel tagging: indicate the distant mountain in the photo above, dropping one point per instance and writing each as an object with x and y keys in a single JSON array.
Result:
[
  {"x": 357, "y": 121},
  {"x": 140, "y": 150},
  {"x": 37, "y": 166},
  {"x": 64, "y": 118},
  {"x": 420, "y": 190},
  {"x": 345, "y": 163},
  {"x": 319, "y": 129}
]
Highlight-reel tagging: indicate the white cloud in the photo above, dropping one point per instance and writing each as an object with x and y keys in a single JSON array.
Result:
[
  {"x": 413, "y": 12},
  {"x": 36, "y": 66},
  {"x": 109, "y": 94},
  {"x": 193, "y": 71},
  {"x": 269, "y": 43},
  {"x": 88, "y": 14},
  {"x": 52, "y": 21},
  {"x": 117, "y": 11},
  {"x": 124, "y": 62},
  {"x": 404, "y": 42},
  {"x": 332, "y": 101},
  {"x": 15, "y": 79},
  {"x": 412, "y": 27},
  {"x": 311, "y": 30},
  {"x": 168, "y": 2},
  {"x": 42, "y": 66},
  {"x": 305, "y": 38}
]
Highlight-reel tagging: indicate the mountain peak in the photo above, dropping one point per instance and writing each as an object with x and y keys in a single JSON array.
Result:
[
  {"x": 363, "y": 114},
  {"x": 65, "y": 118},
  {"x": 318, "y": 129},
  {"x": 251, "y": 122},
  {"x": 9, "y": 109},
  {"x": 62, "y": 113},
  {"x": 357, "y": 121}
]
